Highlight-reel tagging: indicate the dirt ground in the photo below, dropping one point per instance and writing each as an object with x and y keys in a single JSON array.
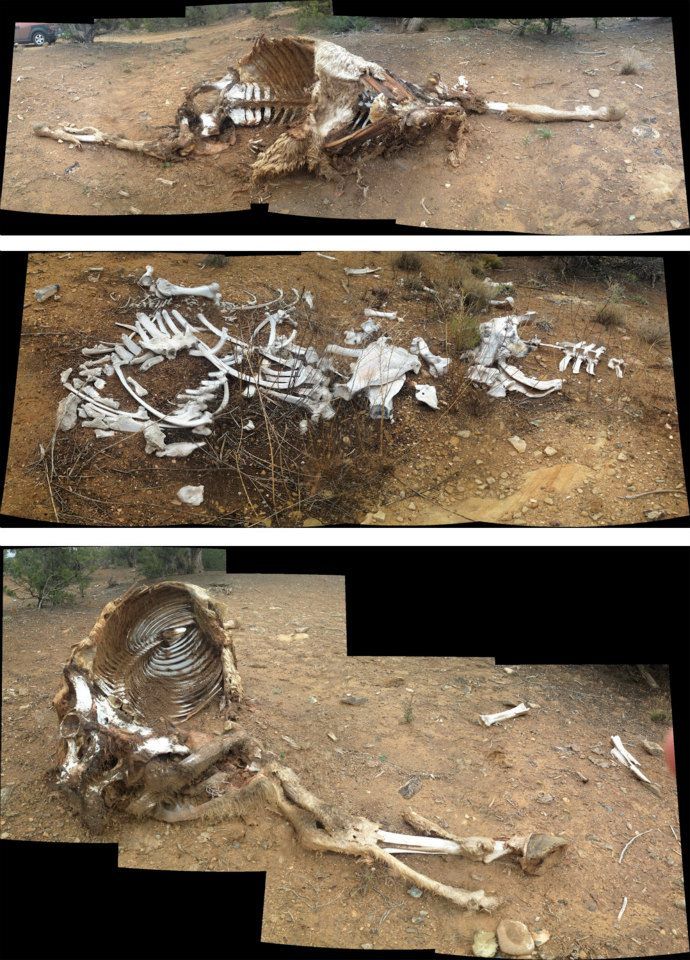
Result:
[
  {"x": 420, "y": 718},
  {"x": 614, "y": 438},
  {"x": 574, "y": 178}
]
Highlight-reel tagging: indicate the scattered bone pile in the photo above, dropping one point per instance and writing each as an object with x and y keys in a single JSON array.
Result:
[
  {"x": 270, "y": 361},
  {"x": 162, "y": 654},
  {"x": 330, "y": 103},
  {"x": 501, "y": 343}
]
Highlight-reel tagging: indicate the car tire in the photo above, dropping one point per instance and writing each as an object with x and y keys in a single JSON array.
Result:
[{"x": 39, "y": 38}]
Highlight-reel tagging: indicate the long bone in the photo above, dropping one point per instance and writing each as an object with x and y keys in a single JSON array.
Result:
[
  {"x": 210, "y": 291},
  {"x": 438, "y": 366}
]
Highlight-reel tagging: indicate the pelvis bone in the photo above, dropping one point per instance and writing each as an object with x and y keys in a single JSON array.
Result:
[
  {"x": 331, "y": 102},
  {"x": 162, "y": 654}
]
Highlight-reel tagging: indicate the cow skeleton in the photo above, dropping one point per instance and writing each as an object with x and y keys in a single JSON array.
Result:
[
  {"x": 162, "y": 654},
  {"x": 331, "y": 102},
  {"x": 268, "y": 360}
]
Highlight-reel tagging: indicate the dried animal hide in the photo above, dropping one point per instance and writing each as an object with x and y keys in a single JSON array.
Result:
[
  {"x": 332, "y": 102},
  {"x": 161, "y": 654}
]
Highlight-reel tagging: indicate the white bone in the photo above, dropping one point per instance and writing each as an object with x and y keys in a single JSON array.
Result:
[
  {"x": 179, "y": 449},
  {"x": 354, "y": 338},
  {"x": 438, "y": 366},
  {"x": 248, "y": 426},
  {"x": 147, "y": 278},
  {"x": 426, "y": 394},
  {"x": 210, "y": 291},
  {"x": 104, "y": 433},
  {"x": 544, "y": 114},
  {"x": 194, "y": 496},
  {"x": 67, "y": 412},
  {"x": 155, "y": 438},
  {"x": 392, "y": 315},
  {"x": 360, "y": 271},
  {"x": 490, "y": 718}
]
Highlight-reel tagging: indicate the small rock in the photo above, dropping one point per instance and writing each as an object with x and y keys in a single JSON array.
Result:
[
  {"x": 550, "y": 451},
  {"x": 594, "y": 93},
  {"x": 413, "y": 785},
  {"x": 122, "y": 193},
  {"x": 352, "y": 700},
  {"x": 466, "y": 433},
  {"x": 518, "y": 444},
  {"x": 312, "y": 522},
  {"x": 654, "y": 514},
  {"x": 366, "y": 946},
  {"x": 540, "y": 937},
  {"x": 514, "y": 938},
  {"x": 484, "y": 944},
  {"x": 676, "y": 224},
  {"x": 135, "y": 210},
  {"x": 654, "y": 748},
  {"x": 679, "y": 903},
  {"x": 415, "y": 892},
  {"x": 622, "y": 456},
  {"x": 544, "y": 798}
]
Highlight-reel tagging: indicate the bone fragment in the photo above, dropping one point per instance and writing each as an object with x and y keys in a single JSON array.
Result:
[
  {"x": 360, "y": 271},
  {"x": 390, "y": 315},
  {"x": 490, "y": 718},
  {"x": 179, "y": 449},
  {"x": 426, "y": 394},
  {"x": 67, "y": 412},
  {"x": 194, "y": 496},
  {"x": 166, "y": 289}
]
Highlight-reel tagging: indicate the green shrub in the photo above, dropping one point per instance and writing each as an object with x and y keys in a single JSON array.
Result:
[
  {"x": 49, "y": 573},
  {"x": 464, "y": 330},
  {"x": 610, "y": 315}
]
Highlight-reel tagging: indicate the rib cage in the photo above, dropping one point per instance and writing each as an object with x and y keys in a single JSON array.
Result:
[{"x": 158, "y": 652}]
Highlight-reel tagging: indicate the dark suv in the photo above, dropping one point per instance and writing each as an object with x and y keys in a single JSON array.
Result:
[{"x": 36, "y": 33}]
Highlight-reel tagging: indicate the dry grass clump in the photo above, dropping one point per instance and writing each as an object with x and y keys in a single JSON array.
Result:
[
  {"x": 490, "y": 261},
  {"x": 408, "y": 261},
  {"x": 655, "y": 333},
  {"x": 610, "y": 315},
  {"x": 632, "y": 62},
  {"x": 463, "y": 329}
]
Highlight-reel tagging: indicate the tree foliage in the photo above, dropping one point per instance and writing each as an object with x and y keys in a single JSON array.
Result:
[{"x": 48, "y": 574}]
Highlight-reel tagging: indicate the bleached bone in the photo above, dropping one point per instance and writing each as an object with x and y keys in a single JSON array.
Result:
[
  {"x": 181, "y": 449},
  {"x": 617, "y": 365},
  {"x": 381, "y": 397},
  {"x": 369, "y": 327},
  {"x": 390, "y": 315},
  {"x": 360, "y": 271},
  {"x": 508, "y": 302},
  {"x": 542, "y": 114},
  {"x": 354, "y": 338},
  {"x": 500, "y": 339},
  {"x": 496, "y": 287},
  {"x": 308, "y": 298},
  {"x": 210, "y": 291},
  {"x": 438, "y": 366},
  {"x": 67, "y": 412},
  {"x": 426, "y": 394},
  {"x": 194, "y": 496},
  {"x": 488, "y": 719},
  {"x": 147, "y": 278},
  {"x": 379, "y": 364},
  {"x": 104, "y": 433},
  {"x": 539, "y": 387}
]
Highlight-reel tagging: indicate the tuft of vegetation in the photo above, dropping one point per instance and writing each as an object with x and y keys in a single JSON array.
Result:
[
  {"x": 655, "y": 333},
  {"x": 49, "y": 574},
  {"x": 490, "y": 261},
  {"x": 544, "y": 133},
  {"x": 610, "y": 315},
  {"x": 318, "y": 15},
  {"x": 408, "y": 715},
  {"x": 215, "y": 260},
  {"x": 660, "y": 716},
  {"x": 464, "y": 330},
  {"x": 408, "y": 261},
  {"x": 632, "y": 63},
  {"x": 470, "y": 23}
]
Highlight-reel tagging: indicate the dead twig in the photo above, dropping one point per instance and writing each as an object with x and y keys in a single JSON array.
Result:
[
  {"x": 647, "y": 493},
  {"x": 632, "y": 840}
]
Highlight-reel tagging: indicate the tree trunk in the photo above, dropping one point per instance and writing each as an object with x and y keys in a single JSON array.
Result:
[{"x": 196, "y": 559}]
